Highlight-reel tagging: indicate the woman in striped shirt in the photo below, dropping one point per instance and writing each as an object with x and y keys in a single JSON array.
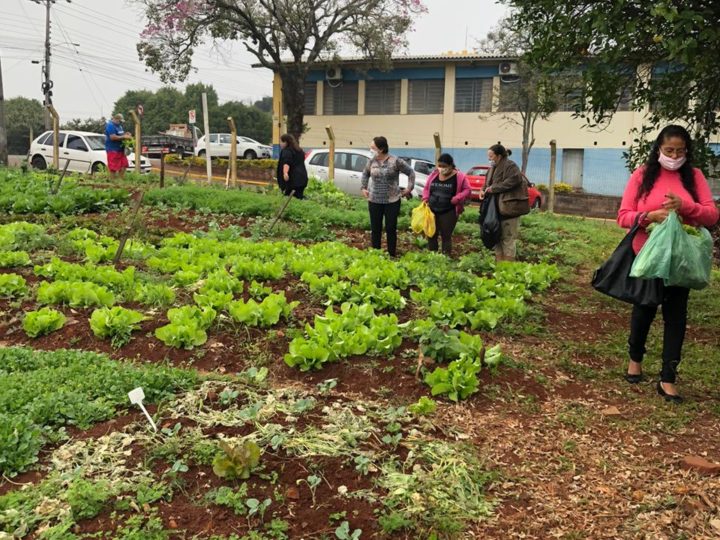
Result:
[{"x": 381, "y": 187}]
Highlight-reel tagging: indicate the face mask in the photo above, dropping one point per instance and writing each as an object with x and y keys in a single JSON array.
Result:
[
  {"x": 444, "y": 170},
  {"x": 374, "y": 153},
  {"x": 491, "y": 162},
  {"x": 671, "y": 164}
]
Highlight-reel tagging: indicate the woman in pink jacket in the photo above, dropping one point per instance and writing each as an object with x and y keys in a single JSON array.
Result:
[
  {"x": 667, "y": 182},
  {"x": 445, "y": 192}
]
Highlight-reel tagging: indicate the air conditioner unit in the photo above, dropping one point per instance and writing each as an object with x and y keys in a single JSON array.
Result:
[
  {"x": 508, "y": 68},
  {"x": 333, "y": 74}
]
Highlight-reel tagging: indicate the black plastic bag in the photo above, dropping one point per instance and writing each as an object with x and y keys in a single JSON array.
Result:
[
  {"x": 613, "y": 277},
  {"x": 490, "y": 226}
]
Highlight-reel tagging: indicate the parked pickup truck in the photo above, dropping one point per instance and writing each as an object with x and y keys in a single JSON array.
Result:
[{"x": 176, "y": 140}]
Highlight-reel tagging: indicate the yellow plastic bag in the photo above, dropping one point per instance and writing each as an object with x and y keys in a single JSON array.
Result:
[
  {"x": 423, "y": 220},
  {"x": 417, "y": 219},
  {"x": 429, "y": 223}
]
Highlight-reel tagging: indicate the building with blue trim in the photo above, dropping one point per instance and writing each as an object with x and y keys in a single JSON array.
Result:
[{"x": 456, "y": 96}]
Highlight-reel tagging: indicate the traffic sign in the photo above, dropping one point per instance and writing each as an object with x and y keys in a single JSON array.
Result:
[{"x": 191, "y": 116}]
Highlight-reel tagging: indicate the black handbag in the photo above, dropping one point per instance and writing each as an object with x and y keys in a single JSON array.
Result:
[
  {"x": 490, "y": 226},
  {"x": 613, "y": 277}
]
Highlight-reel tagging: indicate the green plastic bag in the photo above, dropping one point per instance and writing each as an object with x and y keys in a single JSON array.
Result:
[{"x": 678, "y": 258}]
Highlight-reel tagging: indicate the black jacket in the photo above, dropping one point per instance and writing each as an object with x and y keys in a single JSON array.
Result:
[{"x": 298, "y": 172}]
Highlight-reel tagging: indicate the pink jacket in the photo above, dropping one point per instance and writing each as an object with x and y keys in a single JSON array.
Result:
[
  {"x": 700, "y": 213},
  {"x": 463, "y": 190}
]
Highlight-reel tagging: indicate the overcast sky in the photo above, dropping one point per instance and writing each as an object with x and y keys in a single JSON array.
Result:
[{"x": 95, "y": 61}]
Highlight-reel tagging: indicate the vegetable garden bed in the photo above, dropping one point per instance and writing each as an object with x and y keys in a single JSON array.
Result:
[{"x": 314, "y": 363}]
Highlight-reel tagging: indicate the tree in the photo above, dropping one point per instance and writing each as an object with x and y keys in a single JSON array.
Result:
[
  {"x": 529, "y": 95},
  {"x": 265, "y": 104},
  {"x": 94, "y": 125},
  {"x": 287, "y": 36},
  {"x": 662, "y": 53},
  {"x": 23, "y": 116},
  {"x": 169, "y": 105}
]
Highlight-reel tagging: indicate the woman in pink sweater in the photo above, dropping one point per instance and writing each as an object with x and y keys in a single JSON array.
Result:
[
  {"x": 667, "y": 182},
  {"x": 445, "y": 192}
]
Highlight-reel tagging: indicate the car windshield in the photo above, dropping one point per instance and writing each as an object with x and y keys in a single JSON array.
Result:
[{"x": 96, "y": 142}]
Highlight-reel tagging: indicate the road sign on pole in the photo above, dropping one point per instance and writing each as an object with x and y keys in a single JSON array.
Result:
[{"x": 191, "y": 116}]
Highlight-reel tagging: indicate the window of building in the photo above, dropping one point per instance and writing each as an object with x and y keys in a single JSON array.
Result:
[
  {"x": 311, "y": 98},
  {"x": 340, "y": 98},
  {"x": 382, "y": 97},
  {"x": 426, "y": 96},
  {"x": 509, "y": 95},
  {"x": 473, "y": 95},
  {"x": 570, "y": 100}
]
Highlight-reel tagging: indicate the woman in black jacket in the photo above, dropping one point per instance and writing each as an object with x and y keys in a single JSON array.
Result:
[{"x": 291, "y": 172}]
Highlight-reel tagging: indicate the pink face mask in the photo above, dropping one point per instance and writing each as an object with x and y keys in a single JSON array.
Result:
[{"x": 671, "y": 164}]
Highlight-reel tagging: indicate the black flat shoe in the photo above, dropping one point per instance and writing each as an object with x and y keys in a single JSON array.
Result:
[
  {"x": 634, "y": 379},
  {"x": 671, "y": 398}
]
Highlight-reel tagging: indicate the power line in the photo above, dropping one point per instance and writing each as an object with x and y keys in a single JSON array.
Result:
[{"x": 85, "y": 78}]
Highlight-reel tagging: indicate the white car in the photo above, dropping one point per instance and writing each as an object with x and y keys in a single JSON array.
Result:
[
  {"x": 349, "y": 165},
  {"x": 84, "y": 150},
  {"x": 220, "y": 147}
]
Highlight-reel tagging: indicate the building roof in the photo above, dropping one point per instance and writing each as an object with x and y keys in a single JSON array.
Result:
[{"x": 454, "y": 57}]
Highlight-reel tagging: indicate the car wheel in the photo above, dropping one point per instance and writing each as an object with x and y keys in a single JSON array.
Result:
[
  {"x": 201, "y": 153},
  {"x": 38, "y": 162},
  {"x": 180, "y": 150},
  {"x": 98, "y": 167},
  {"x": 250, "y": 154}
]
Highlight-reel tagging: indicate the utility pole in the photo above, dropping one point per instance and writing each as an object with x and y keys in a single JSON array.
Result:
[
  {"x": 47, "y": 83},
  {"x": 3, "y": 132}
]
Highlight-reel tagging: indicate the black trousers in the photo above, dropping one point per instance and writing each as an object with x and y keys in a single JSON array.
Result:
[
  {"x": 389, "y": 212},
  {"x": 444, "y": 227},
  {"x": 674, "y": 310},
  {"x": 299, "y": 191}
]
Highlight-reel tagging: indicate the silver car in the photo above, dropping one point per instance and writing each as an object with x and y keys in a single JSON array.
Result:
[{"x": 349, "y": 165}]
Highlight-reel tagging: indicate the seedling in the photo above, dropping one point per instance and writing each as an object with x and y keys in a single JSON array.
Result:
[
  {"x": 236, "y": 462},
  {"x": 136, "y": 398},
  {"x": 343, "y": 532},
  {"x": 313, "y": 482}
]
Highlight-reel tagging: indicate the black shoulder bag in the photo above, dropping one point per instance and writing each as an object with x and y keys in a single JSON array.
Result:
[{"x": 613, "y": 277}]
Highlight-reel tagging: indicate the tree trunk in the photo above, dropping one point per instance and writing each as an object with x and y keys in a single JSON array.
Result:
[
  {"x": 3, "y": 132},
  {"x": 526, "y": 135},
  {"x": 294, "y": 99}
]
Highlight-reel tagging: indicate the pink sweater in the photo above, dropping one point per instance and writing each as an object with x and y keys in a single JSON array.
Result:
[
  {"x": 462, "y": 194},
  {"x": 700, "y": 213}
]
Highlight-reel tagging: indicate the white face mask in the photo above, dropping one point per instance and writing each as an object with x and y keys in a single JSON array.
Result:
[
  {"x": 444, "y": 170},
  {"x": 374, "y": 153},
  {"x": 671, "y": 164},
  {"x": 491, "y": 162}
]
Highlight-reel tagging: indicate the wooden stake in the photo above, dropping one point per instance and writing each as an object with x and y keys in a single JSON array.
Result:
[
  {"x": 62, "y": 175},
  {"x": 282, "y": 210},
  {"x": 128, "y": 232}
]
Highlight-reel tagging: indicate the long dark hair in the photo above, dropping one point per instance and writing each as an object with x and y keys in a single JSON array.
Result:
[
  {"x": 652, "y": 165},
  {"x": 291, "y": 141}
]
